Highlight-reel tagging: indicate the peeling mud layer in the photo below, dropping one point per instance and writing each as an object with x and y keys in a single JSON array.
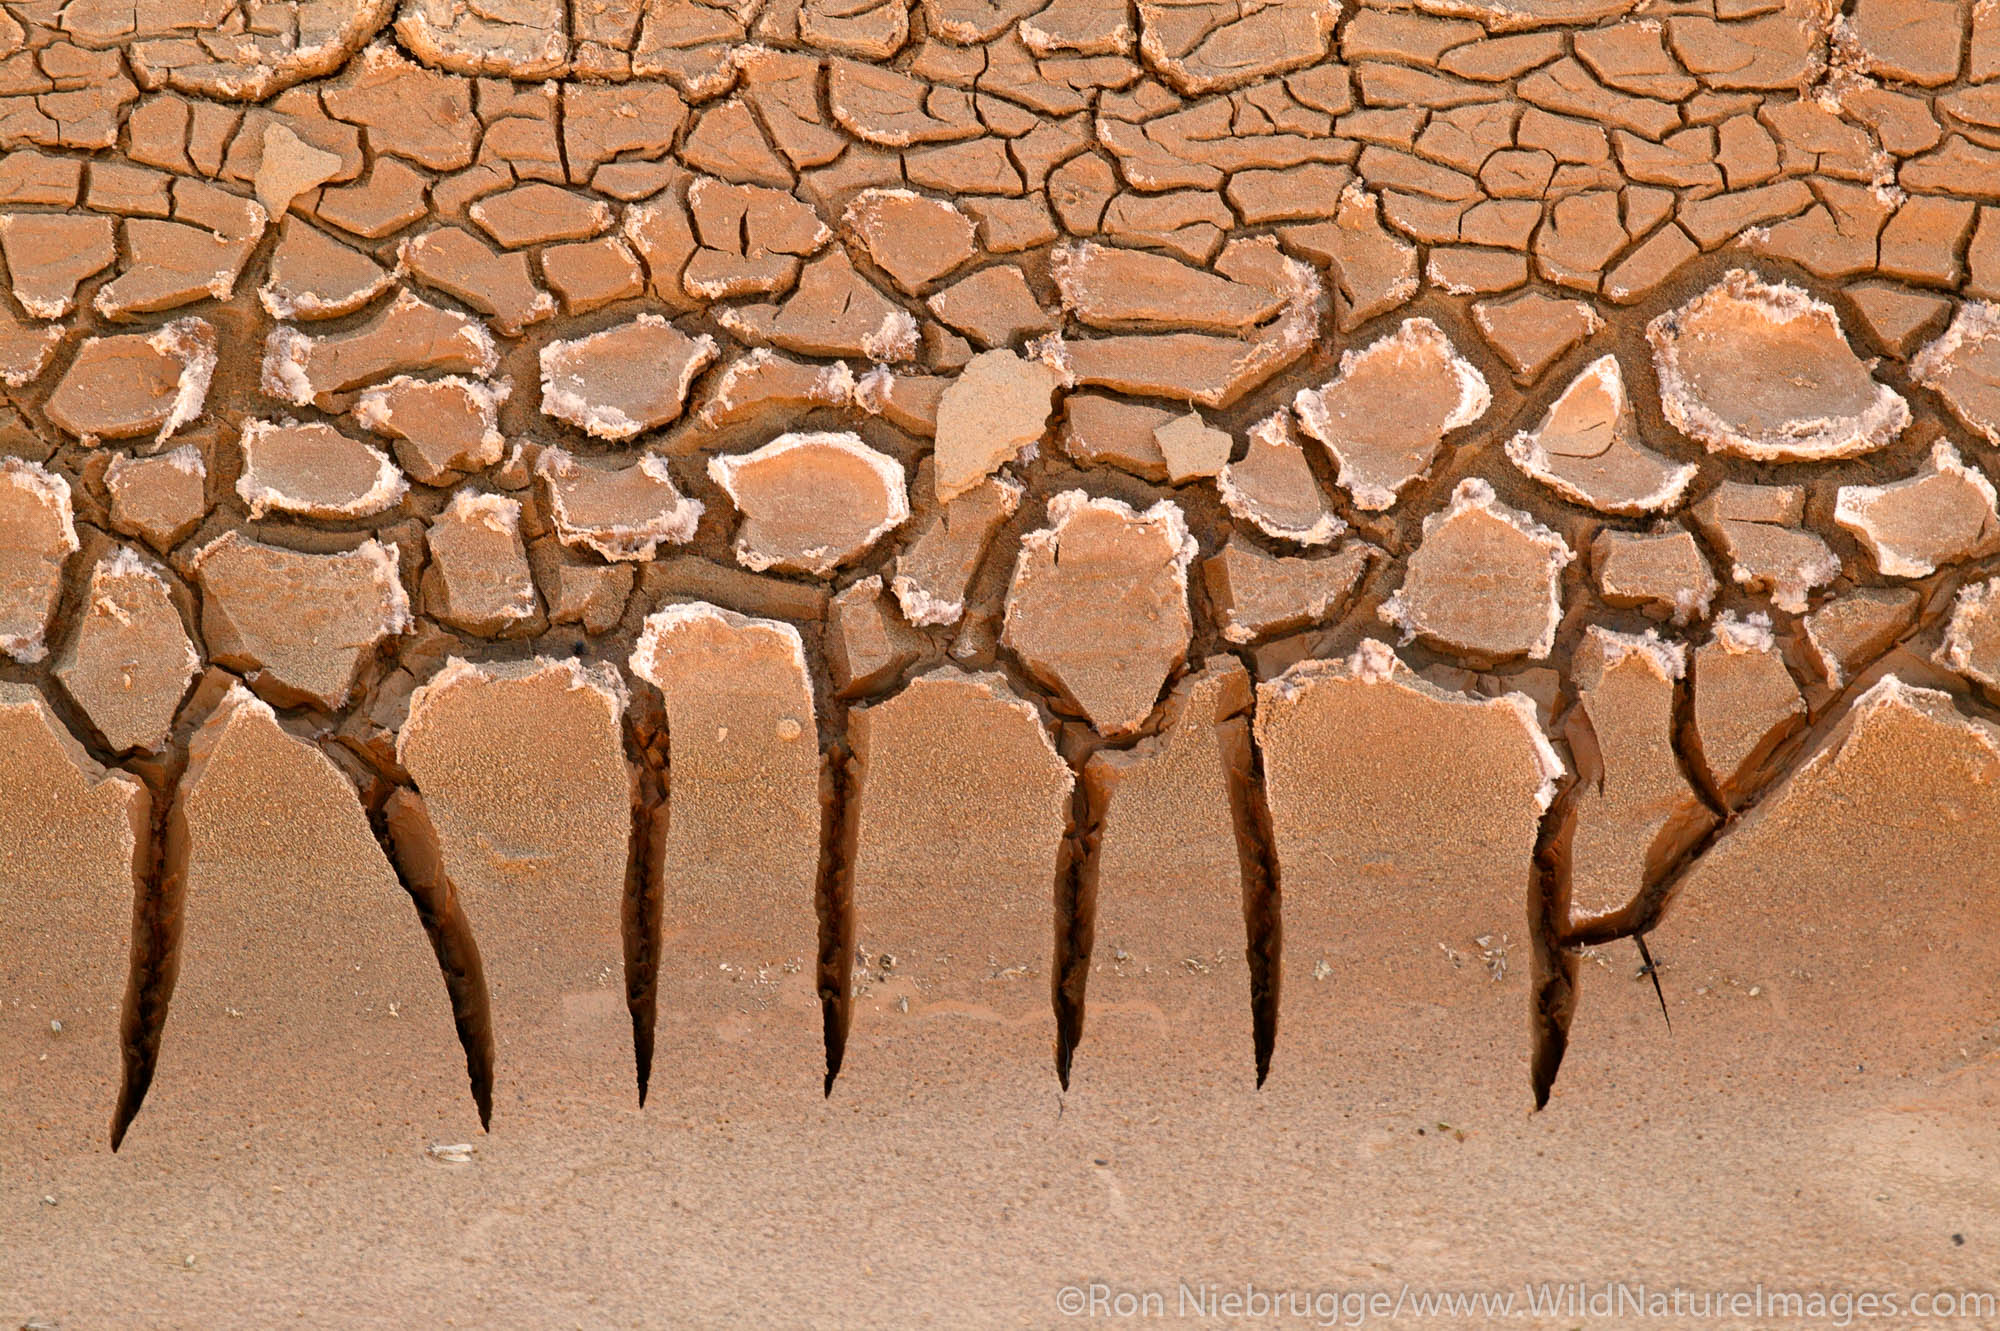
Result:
[{"x": 821, "y": 611}]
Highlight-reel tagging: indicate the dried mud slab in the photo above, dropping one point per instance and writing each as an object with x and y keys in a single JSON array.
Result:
[
  {"x": 1759, "y": 370},
  {"x": 302, "y": 625},
  {"x": 739, "y": 847},
  {"x": 1963, "y": 366},
  {"x": 522, "y": 766},
  {"x": 1405, "y": 817},
  {"x": 37, "y": 537},
  {"x": 1168, "y": 965},
  {"x": 129, "y": 662},
  {"x": 75, "y": 845},
  {"x": 136, "y": 383},
  {"x": 624, "y": 380},
  {"x": 1790, "y": 982},
  {"x": 1943, "y": 514},
  {"x": 308, "y": 975},
  {"x": 313, "y": 470},
  {"x": 961, "y": 807},
  {"x": 1637, "y": 813}
]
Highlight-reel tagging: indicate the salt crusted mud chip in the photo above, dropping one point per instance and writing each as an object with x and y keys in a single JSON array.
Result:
[
  {"x": 1098, "y": 606},
  {"x": 313, "y": 276},
  {"x": 1756, "y": 528},
  {"x": 1762, "y": 371},
  {"x": 49, "y": 254},
  {"x": 1484, "y": 583},
  {"x": 1911, "y": 528},
  {"x": 1273, "y": 489},
  {"x": 911, "y": 237},
  {"x": 478, "y": 579},
  {"x": 1136, "y": 290},
  {"x": 812, "y": 502},
  {"x": 136, "y": 383},
  {"x": 1851, "y": 632},
  {"x": 1971, "y": 644},
  {"x": 129, "y": 660},
  {"x": 441, "y": 427},
  {"x": 1258, "y": 594},
  {"x": 1587, "y": 449},
  {"x": 159, "y": 499},
  {"x": 1662, "y": 572},
  {"x": 304, "y": 623},
  {"x": 1384, "y": 417},
  {"x": 409, "y": 335},
  {"x": 315, "y": 471},
  {"x": 1963, "y": 366},
  {"x": 625, "y": 380},
  {"x": 832, "y": 311},
  {"x": 37, "y": 537},
  {"x": 623, "y": 513}
]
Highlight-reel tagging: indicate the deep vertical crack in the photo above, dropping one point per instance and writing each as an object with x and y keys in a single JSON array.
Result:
[
  {"x": 643, "y": 900},
  {"x": 1075, "y": 920},
  {"x": 157, "y": 912},
  {"x": 403, "y": 825},
  {"x": 834, "y": 900},
  {"x": 1263, "y": 915},
  {"x": 1553, "y": 977}
]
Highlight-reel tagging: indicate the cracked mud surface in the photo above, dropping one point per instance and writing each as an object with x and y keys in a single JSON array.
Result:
[{"x": 863, "y": 572}]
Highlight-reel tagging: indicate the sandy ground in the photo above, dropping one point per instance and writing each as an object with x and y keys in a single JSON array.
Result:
[{"x": 916, "y": 1198}]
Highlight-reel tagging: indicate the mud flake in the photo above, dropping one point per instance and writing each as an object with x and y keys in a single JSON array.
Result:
[
  {"x": 812, "y": 502},
  {"x": 1484, "y": 583},
  {"x": 315, "y": 471},
  {"x": 1385, "y": 416},
  {"x": 479, "y": 568},
  {"x": 621, "y": 382},
  {"x": 623, "y": 513},
  {"x": 129, "y": 660},
  {"x": 1098, "y": 606},
  {"x": 136, "y": 383},
  {"x": 304, "y": 623},
  {"x": 37, "y": 537},
  {"x": 1587, "y": 449},
  {"x": 1762, "y": 371},
  {"x": 1911, "y": 528},
  {"x": 1745, "y": 705},
  {"x": 1273, "y": 489},
  {"x": 1257, "y": 595},
  {"x": 997, "y": 406}
]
